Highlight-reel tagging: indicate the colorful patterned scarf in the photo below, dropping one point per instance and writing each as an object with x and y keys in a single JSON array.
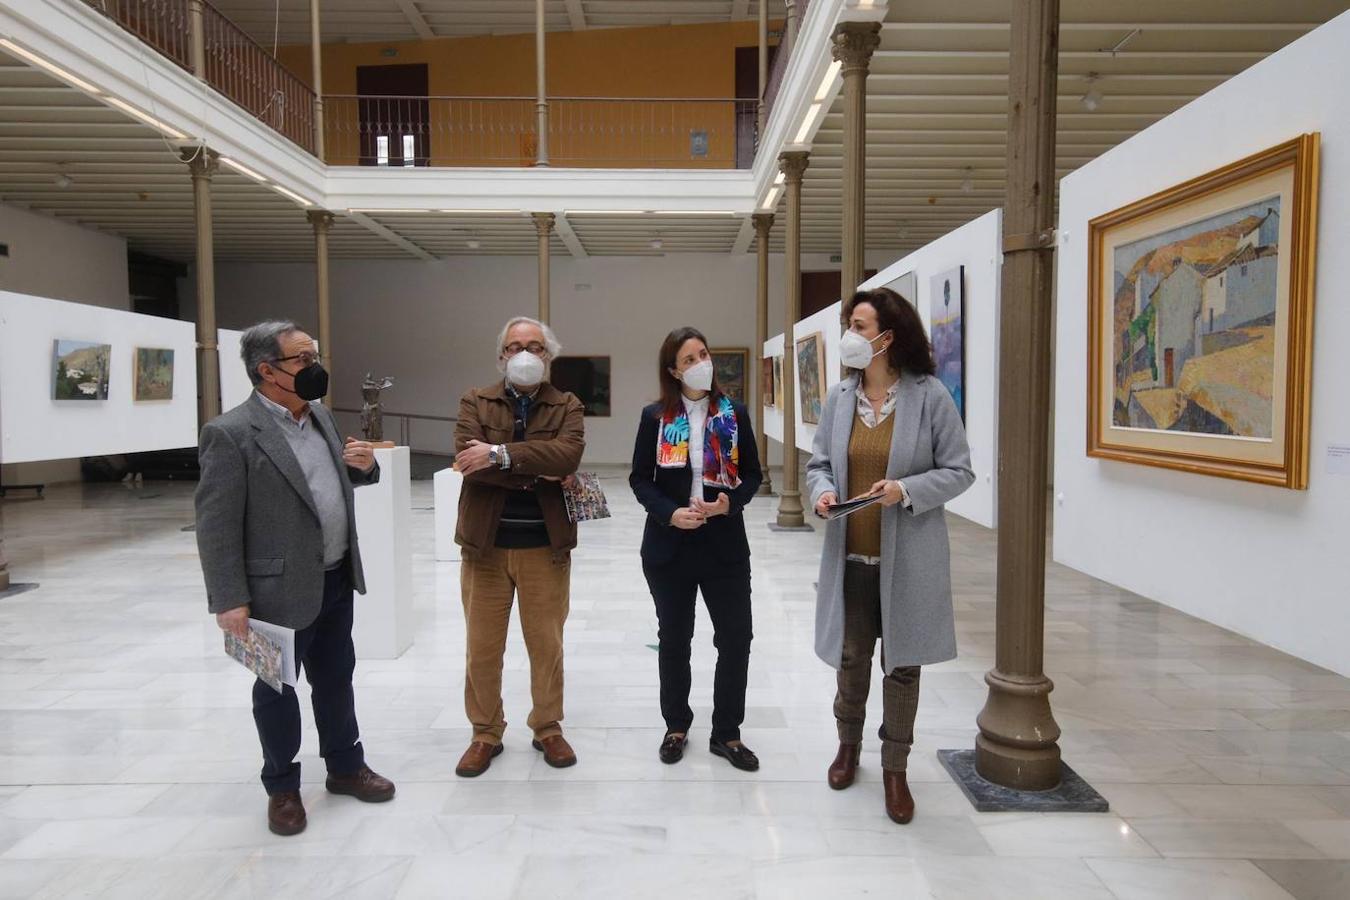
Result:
[{"x": 721, "y": 448}]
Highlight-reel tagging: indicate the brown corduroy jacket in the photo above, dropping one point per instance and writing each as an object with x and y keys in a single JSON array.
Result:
[{"x": 555, "y": 438}]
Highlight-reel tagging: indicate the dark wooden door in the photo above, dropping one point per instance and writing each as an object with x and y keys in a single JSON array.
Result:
[
  {"x": 395, "y": 115},
  {"x": 820, "y": 289},
  {"x": 747, "y": 92}
]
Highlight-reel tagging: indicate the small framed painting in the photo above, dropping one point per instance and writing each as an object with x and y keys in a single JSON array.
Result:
[{"x": 733, "y": 369}]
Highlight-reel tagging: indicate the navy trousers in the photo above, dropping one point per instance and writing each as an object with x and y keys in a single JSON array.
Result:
[{"x": 325, "y": 650}]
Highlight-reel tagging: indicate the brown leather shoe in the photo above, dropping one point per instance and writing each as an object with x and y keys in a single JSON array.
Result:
[
  {"x": 557, "y": 752},
  {"x": 899, "y": 801},
  {"x": 362, "y": 784},
  {"x": 477, "y": 758},
  {"x": 845, "y": 766},
  {"x": 285, "y": 813}
]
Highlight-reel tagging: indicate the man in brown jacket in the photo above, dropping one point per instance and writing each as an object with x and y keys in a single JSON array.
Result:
[{"x": 517, "y": 440}]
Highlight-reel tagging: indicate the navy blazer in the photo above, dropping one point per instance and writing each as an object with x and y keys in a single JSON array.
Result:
[{"x": 662, "y": 491}]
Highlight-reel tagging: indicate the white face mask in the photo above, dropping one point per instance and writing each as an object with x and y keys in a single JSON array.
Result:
[
  {"x": 525, "y": 369},
  {"x": 699, "y": 377},
  {"x": 855, "y": 351}
]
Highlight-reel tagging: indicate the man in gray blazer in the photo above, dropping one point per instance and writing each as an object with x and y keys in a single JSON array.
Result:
[{"x": 276, "y": 531}]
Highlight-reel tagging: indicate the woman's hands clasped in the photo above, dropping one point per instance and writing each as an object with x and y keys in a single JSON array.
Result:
[{"x": 696, "y": 515}]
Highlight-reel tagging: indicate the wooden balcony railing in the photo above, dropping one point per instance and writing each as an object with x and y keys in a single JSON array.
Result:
[
  {"x": 503, "y": 131},
  {"x": 231, "y": 61}
]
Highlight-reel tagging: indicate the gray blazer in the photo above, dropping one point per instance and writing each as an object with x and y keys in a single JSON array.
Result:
[
  {"x": 929, "y": 453},
  {"x": 258, "y": 531}
]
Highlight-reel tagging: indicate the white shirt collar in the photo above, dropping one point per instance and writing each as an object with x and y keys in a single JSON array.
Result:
[
  {"x": 283, "y": 411},
  {"x": 691, "y": 405}
]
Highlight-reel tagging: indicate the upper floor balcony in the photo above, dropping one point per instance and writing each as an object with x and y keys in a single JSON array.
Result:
[{"x": 388, "y": 112}]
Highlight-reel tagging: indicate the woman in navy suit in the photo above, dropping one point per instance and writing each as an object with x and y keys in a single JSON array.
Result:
[{"x": 695, "y": 467}]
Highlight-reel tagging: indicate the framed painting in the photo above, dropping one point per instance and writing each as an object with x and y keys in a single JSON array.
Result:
[
  {"x": 586, "y": 376},
  {"x": 153, "y": 374},
  {"x": 766, "y": 381},
  {"x": 1200, "y": 322},
  {"x": 778, "y": 382},
  {"x": 948, "y": 301},
  {"x": 80, "y": 370},
  {"x": 732, "y": 366},
  {"x": 907, "y": 286},
  {"x": 811, "y": 376}
]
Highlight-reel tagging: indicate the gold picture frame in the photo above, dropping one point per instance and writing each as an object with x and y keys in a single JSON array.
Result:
[
  {"x": 732, "y": 366},
  {"x": 1200, "y": 322}
]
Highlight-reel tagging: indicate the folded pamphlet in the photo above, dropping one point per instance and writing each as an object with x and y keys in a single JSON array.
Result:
[
  {"x": 849, "y": 507},
  {"x": 268, "y": 651},
  {"x": 585, "y": 498}
]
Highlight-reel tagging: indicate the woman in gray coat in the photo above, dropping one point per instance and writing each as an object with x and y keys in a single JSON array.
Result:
[{"x": 891, "y": 430}]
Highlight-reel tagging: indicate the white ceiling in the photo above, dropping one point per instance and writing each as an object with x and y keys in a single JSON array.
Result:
[{"x": 287, "y": 21}]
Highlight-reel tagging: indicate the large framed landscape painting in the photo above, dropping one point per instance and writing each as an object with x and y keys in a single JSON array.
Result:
[
  {"x": 948, "y": 301},
  {"x": 1200, "y": 322},
  {"x": 811, "y": 376},
  {"x": 733, "y": 371}
]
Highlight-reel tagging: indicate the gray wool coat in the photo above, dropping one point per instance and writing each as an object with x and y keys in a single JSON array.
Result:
[{"x": 930, "y": 455}]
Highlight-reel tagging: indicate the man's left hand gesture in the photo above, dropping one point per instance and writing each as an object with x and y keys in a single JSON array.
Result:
[
  {"x": 473, "y": 458},
  {"x": 360, "y": 455}
]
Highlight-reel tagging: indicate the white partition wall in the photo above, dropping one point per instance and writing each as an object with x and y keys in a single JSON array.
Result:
[
  {"x": 235, "y": 386},
  {"x": 383, "y": 626},
  {"x": 976, "y": 246},
  {"x": 825, "y": 323},
  {"x": 445, "y": 491},
  {"x": 1263, "y": 561},
  {"x": 34, "y": 426},
  {"x": 773, "y": 415}
]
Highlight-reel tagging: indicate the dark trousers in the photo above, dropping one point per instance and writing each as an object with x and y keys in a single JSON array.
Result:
[
  {"x": 325, "y": 649},
  {"x": 899, "y": 686},
  {"x": 726, "y": 593}
]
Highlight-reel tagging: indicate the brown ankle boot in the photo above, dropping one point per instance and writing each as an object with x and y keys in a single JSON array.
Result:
[
  {"x": 899, "y": 801},
  {"x": 845, "y": 766}
]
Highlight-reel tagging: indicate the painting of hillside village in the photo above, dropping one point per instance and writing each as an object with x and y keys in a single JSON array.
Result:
[
  {"x": 80, "y": 370},
  {"x": 1194, "y": 325}
]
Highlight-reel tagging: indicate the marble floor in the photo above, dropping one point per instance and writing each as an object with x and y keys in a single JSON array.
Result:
[{"x": 128, "y": 759}]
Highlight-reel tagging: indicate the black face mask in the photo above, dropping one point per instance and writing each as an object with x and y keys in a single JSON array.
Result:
[{"x": 311, "y": 382}]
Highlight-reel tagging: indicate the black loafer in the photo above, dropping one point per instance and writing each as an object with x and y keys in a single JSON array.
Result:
[
  {"x": 741, "y": 757},
  {"x": 672, "y": 748}
]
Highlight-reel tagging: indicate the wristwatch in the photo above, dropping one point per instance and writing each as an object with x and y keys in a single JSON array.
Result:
[{"x": 495, "y": 455}]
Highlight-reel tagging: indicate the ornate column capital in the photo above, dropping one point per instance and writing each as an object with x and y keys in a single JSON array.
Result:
[
  {"x": 763, "y": 222},
  {"x": 320, "y": 218},
  {"x": 853, "y": 44},
  {"x": 793, "y": 164},
  {"x": 543, "y": 223},
  {"x": 202, "y": 161}
]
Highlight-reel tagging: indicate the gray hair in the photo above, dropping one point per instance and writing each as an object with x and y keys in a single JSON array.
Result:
[
  {"x": 262, "y": 343},
  {"x": 554, "y": 348}
]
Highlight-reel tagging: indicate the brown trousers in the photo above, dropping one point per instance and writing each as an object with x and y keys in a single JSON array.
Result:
[
  {"x": 899, "y": 687},
  {"x": 488, "y": 583}
]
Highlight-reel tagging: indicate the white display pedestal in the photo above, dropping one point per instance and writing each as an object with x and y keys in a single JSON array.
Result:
[
  {"x": 445, "y": 489},
  {"x": 384, "y": 616}
]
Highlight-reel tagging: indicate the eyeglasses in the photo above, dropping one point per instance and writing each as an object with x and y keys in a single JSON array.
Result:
[
  {"x": 306, "y": 359},
  {"x": 534, "y": 347}
]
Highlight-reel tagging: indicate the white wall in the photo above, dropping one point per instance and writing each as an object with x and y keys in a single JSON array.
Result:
[
  {"x": 35, "y": 427},
  {"x": 1263, "y": 561},
  {"x": 975, "y": 245},
  {"x": 432, "y": 325},
  {"x": 826, "y": 323},
  {"x": 51, "y": 258},
  {"x": 235, "y": 385}
]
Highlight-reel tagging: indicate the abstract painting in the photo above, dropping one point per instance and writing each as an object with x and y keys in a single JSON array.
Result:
[
  {"x": 154, "y": 374},
  {"x": 1201, "y": 325},
  {"x": 947, "y": 298},
  {"x": 778, "y": 381},
  {"x": 811, "y": 376},
  {"x": 732, "y": 367},
  {"x": 588, "y": 378},
  {"x": 766, "y": 381},
  {"x": 80, "y": 370}
]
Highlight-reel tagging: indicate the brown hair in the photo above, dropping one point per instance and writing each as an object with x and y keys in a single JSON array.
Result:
[
  {"x": 909, "y": 350},
  {"x": 670, "y": 401}
]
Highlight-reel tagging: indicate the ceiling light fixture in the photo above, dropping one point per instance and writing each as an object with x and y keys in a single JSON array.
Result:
[
  {"x": 605, "y": 212},
  {"x": 148, "y": 119},
  {"x": 50, "y": 67},
  {"x": 656, "y": 244},
  {"x": 292, "y": 194},
  {"x": 63, "y": 181},
  {"x": 771, "y": 201},
  {"x": 827, "y": 83},
  {"x": 243, "y": 169},
  {"x": 473, "y": 244},
  {"x": 808, "y": 124},
  {"x": 968, "y": 183},
  {"x": 1092, "y": 100}
]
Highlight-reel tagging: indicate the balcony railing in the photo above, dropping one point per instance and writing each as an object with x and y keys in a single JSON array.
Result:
[
  {"x": 780, "y": 63},
  {"x": 503, "y": 131},
  {"x": 233, "y": 62}
]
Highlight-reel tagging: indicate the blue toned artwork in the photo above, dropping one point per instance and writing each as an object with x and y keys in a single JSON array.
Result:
[{"x": 948, "y": 303}]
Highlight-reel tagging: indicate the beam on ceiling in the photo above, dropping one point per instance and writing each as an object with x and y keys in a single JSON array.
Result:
[
  {"x": 1109, "y": 26},
  {"x": 569, "y": 236},
  {"x": 396, "y": 239},
  {"x": 744, "y": 237},
  {"x": 415, "y": 19},
  {"x": 740, "y": 9},
  {"x": 576, "y": 15}
]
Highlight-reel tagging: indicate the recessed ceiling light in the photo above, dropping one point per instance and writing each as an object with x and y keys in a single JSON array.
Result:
[
  {"x": 473, "y": 245},
  {"x": 1092, "y": 100},
  {"x": 51, "y": 67},
  {"x": 656, "y": 244},
  {"x": 968, "y": 183},
  {"x": 63, "y": 181}
]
